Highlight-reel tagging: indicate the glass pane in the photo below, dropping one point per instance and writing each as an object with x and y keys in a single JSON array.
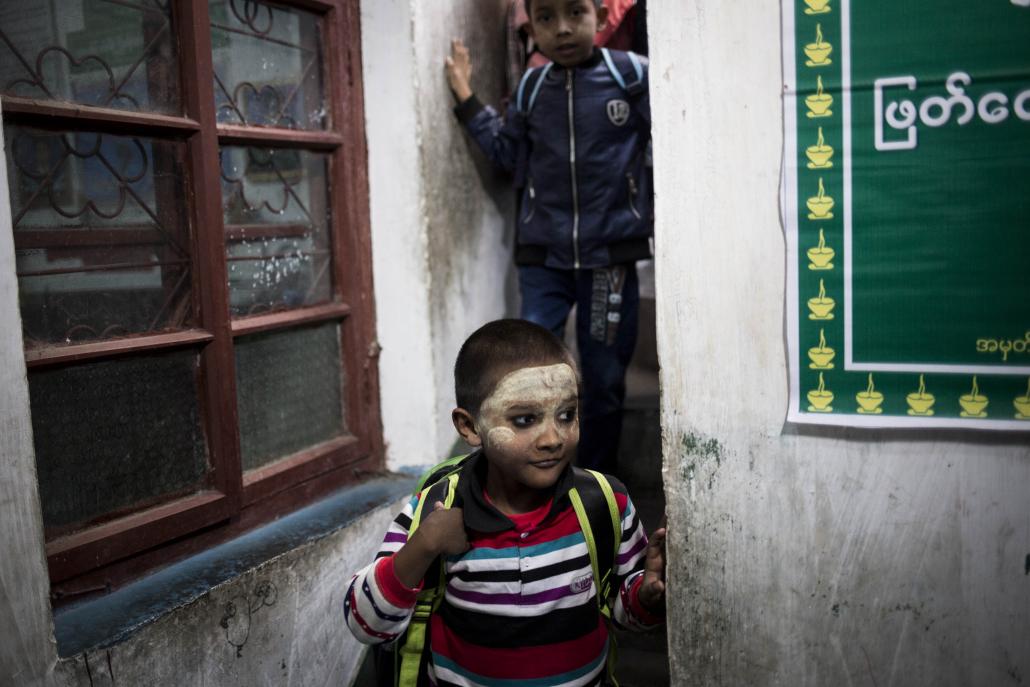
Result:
[
  {"x": 101, "y": 235},
  {"x": 268, "y": 65},
  {"x": 276, "y": 210},
  {"x": 108, "y": 53},
  {"x": 289, "y": 391},
  {"x": 116, "y": 435}
]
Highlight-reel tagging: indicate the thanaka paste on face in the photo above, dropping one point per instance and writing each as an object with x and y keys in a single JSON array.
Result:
[{"x": 548, "y": 387}]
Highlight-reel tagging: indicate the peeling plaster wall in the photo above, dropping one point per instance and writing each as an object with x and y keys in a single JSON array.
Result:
[
  {"x": 278, "y": 624},
  {"x": 26, "y": 635},
  {"x": 400, "y": 263},
  {"x": 467, "y": 206},
  {"x": 441, "y": 228},
  {"x": 800, "y": 557}
]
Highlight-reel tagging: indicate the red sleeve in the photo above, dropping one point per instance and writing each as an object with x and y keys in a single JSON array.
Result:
[
  {"x": 392, "y": 588},
  {"x": 637, "y": 608}
]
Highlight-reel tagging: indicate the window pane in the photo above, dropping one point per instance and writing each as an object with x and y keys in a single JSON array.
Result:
[
  {"x": 268, "y": 65},
  {"x": 116, "y": 435},
  {"x": 101, "y": 236},
  {"x": 276, "y": 213},
  {"x": 289, "y": 390},
  {"x": 108, "y": 53}
]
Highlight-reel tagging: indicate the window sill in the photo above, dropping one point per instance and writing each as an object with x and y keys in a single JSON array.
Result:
[{"x": 103, "y": 622}]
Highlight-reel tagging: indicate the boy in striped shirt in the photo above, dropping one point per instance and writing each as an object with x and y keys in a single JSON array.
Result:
[{"x": 520, "y": 598}]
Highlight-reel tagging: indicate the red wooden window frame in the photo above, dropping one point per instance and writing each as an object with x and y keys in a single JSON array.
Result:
[{"x": 117, "y": 550}]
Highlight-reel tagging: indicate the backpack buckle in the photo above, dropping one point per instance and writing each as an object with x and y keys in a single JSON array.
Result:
[{"x": 422, "y": 612}]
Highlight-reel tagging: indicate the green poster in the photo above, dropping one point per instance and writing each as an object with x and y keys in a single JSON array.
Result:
[{"x": 907, "y": 212}]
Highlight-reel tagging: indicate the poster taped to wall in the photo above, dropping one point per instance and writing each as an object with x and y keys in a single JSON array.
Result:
[{"x": 906, "y": 201}]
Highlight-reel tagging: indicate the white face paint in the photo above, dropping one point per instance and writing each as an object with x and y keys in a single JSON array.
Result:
[{"x": 542, "y": 391}]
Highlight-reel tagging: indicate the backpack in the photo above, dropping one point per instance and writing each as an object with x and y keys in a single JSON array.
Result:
[
  {"x": 593, "y": 500},
  {"x": 626, "y": 69}
]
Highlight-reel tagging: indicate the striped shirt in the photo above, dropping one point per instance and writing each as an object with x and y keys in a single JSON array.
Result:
[{"x": 520, "y": 605}]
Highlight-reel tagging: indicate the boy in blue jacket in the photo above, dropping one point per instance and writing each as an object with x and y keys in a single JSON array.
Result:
[{"x": 576, "y": 138}]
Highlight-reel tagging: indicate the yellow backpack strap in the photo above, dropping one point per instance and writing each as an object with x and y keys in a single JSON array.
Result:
[
  {"x": 413, "y": 648},
  {"x": 598, "y": 513}
]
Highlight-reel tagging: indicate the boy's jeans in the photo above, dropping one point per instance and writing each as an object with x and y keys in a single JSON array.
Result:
[{"x": 607, "y": 301}]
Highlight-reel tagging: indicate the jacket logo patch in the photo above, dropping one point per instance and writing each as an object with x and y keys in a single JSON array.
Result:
[
  {"x": 581, "y": 584},
  {"x": 618, "y": 112}
]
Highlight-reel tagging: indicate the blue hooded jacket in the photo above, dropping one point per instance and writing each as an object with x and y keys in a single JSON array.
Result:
[{"x": 580, "y": 156}]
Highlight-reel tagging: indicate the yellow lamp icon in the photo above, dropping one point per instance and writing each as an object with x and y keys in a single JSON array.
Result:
[
  {"x": 820, "y": 398},
  {"x": 869, "y": 400},
  {"x": 819, "y": 103},
  {"x": 919, "y": 402},
  {"x": 821, "y": 307},
  {"x": 1022, "y": 403},
  {"x": 818, "y": 53},
  {"x": 974, "y": 404},
  {"x": 820, "y": 204},
  {"x": 819, "y": 155},
  {"x": 821, "y": 355}
]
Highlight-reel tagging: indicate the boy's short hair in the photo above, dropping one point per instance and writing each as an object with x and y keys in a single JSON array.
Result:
[
  {"x": 529, "y": 6},
  {"x": 500, "y": 347}
]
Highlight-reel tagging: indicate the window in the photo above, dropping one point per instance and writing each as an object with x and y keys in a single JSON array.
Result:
[{"x": 189, "y": 205}]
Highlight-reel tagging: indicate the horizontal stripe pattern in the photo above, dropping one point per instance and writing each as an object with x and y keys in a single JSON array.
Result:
[{"x": 519, "y": 608}]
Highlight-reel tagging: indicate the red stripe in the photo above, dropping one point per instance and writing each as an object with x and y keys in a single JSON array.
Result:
[
  {"x": 564, "y": 524},
  {"x": 522, "y": 663},
  {"x": 636, "y": 608},
  {"x": 354, "y": 613},
  {"x": 393, "y": 589}
]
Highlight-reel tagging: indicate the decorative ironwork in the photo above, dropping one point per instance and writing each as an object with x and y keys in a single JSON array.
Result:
[
  {"x": 249, "y": 15},
  {"x": 114, "y": 96},
  {"x": 265, "y": 159},
  {"x": 72, "y": 313},
  {"x": 123, "y": 179},
  {"x": 251, "y": 104},
  {"x": 273, "y": 271}
]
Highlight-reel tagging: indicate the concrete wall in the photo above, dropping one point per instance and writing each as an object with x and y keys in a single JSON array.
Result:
[
  {"x": 440, "y": 217},
  {"x": 815, "y": 557},
  {"x": 442, "y": 263},
  {"x": 26, "y": 634}
]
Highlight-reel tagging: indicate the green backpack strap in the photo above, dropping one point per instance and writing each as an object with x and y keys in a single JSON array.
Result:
[
  {"x": 598, "y": 514},
  {"x": 413, "y": 649},
  {"x": 441, "y": 470}
]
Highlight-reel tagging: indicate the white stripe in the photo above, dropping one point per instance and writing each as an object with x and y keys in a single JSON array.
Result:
[
  {"x": 437, "y": 674},
  {"x": 561, "y": 580},
  {"x": 523, "y": 611}
]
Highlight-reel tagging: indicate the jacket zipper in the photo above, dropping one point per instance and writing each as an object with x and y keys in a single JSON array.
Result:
[
  {"x": 532, "y": 204},
  {"x": 632, "y": 194},
  {"x": 572, "y": 168}
]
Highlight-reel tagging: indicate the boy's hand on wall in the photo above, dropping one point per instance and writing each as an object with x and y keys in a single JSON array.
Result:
[
  {"x": 459, "y": 71},
  {"x": 443, "y": 531},
  {"x": 652, "y": 589}
]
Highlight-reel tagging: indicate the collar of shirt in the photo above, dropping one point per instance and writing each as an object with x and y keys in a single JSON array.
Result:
[{"x": 482, "y": 516}]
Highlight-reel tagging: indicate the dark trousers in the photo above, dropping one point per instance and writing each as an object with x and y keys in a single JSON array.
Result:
[{"x": 607, "y": 307}]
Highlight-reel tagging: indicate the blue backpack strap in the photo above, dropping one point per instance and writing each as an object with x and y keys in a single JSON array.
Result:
[
  {"x": 536, "y": 76},
  {"x": 629, "y": 74}
]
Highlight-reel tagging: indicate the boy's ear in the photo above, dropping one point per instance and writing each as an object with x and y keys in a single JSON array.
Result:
[
  {"x": 602, "y": 18},
  {"x": 466, "y": 426}
]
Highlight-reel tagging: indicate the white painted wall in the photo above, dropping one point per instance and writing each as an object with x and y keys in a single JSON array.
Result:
[
  {"x": 400, "y": 265},
  {"x": 442, "y": 237},
  {"x": 814, "y": 557},
  {"x": 26, "y": 634}
]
